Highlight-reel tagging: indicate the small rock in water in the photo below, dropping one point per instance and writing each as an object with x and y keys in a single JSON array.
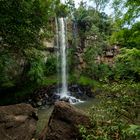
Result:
[
  {"x": 46, "y": 95},
  {"x": 65, "y": 99},
  {"x": 39, "y": 103},
  {"x": 73, "y": 100},
  {"x": 56, "y": 96},
  {"x": 30, "y": 100},
  {"x": 70, "y": 99}
]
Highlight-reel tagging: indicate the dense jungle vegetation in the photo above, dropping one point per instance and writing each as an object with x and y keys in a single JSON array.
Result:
[{"x": 103, "y": 53}]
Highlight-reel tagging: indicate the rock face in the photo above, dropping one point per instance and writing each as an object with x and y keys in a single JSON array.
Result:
[
  {"x": 17, "y": 122},
  {"x": 43, "y": 96},
  {"x": 80, "y": 91},
  {"x": 63, "y": 123}
]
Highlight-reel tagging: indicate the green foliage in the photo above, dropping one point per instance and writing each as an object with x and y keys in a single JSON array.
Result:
[
  {"x": 83, "y": 18},
  {"x": 62, "y": 10},
  {"x": 51, "y": 65},
  {"x": 70, "y": 58},
  {"x": 50, "y": 80},
  {"x": 8, "y": 69},
  {"x": 100, "y": 4},
  {"x": 21, "y": 22},
  {"x": 94, "y": 29},
  {"x": 92, "y": 26},
  {"x": 23, "y": 26},
  {"x": 86, "y": 18},
  {"x": 117, "y": 114},
  {"x": 104, "y": 72},
  {"x": 127, "y": 64},
  {"x": 132, "y": 10},
  {"x": 89, "y": 57},
  {"x": 86, "y": 81},
  {"x": 129, "y": 38},
  {"x": 36, "y": 65},
  {"x": 126, "y": 25},
  {"x": 93, "y": 69},
  {"x": 133, "y": 131}
]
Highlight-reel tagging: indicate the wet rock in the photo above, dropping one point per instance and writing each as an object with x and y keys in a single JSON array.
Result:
[
  {"x": 63, "y": 123},
  {"x": 65, "y": 99},
  {"x": 48, "y": 95},
  {"x": 80, "y": 91},
  {"x": 17, "y": 122},
  {"x": 39, "y": 103},
  {"x": 74, "y": 100},
  {"x": 42, "y": 96},
  {"x": 55, "y": 96}
]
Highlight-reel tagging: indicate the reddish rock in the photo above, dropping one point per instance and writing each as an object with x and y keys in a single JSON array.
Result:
[
  {"x": 17, "y": 122},
  {"x": 63, "y": 123}
]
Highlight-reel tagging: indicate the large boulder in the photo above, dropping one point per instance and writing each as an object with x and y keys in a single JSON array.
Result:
[
  {"x": 17, "y": 122},
  {"x": 63, "y": 123}
]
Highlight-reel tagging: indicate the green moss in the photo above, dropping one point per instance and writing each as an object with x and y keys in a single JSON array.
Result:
[
  {"x": 83, "y": 80},
  {"x": 50, "y": 80},
  {"x": 86, "y": 81}
]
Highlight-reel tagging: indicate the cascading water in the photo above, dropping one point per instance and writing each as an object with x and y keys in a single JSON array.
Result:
[{"x": 63, "y": 57}]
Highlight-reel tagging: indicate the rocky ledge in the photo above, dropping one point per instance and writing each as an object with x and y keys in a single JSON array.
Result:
[
  {"x": 17, "y": 122},
  {"x": 63, "y": 123}
]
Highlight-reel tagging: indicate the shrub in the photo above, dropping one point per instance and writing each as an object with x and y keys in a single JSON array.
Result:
[
  {"x": 10, "y": 70},
  {"x": 35, "y": 73},
  {"x": 51, "y": 65},
  {"x": 127, "y": 65},
  {"x": 116, "y": 115}
]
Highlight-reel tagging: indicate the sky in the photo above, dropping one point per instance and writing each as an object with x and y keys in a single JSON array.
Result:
[{"x": 108, "y": 10}]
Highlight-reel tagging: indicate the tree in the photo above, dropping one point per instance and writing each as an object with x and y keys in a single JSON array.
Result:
[
  {"x": 127, "y": 10},
  {"x": 100, "y": 4},
  {"x": 84, "y": 22},
  {"x": 129, "y": 38},
  {"x": 21, "y": 22},
  {"x": 23, "y": 26},
  {"x": 127, "y": 65}
]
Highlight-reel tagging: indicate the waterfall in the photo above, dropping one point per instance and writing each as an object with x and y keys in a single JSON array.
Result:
[{"x": 63, "y": 57}]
